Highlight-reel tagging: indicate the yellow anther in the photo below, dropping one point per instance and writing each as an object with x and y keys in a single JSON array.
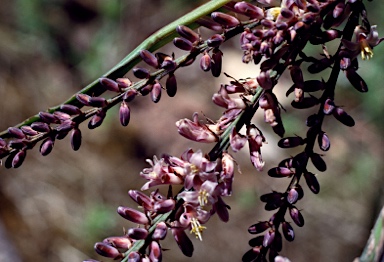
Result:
[
  {"x": 203, "y": 197},
  {"x": 273, "y": 13},
  {"x": 197, "y": 228}
]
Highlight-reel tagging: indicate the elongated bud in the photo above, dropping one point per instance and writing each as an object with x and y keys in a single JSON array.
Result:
[
  {"x": 183, "y": 241},
  {"x": 160, "y": 231},
  {"x": 137, "y": 233},
  {"x": 182, "y": 43},
  {"x": 28, "y": 131},
  {"x": 118, "y": 242},
  {"x": 280, "y": 172},
  {"x": 156, "y": 92},
  {"x": 216, "y": 62},
  {"x": 187, "y": 33},
  {"x": 259, "y": 227},
  {"x": 17, "y": 143},
  {"x": 312, "y": 182},
  {"x": 269, "y": 237},
  {"x": 129, "y": 95},
  {"x": 155, "y": 254},
  {"x": 289, "y": 142},
  {"x": 48, "y": 118},
  {"x": 106, "y": 250},
  {"x": 288, "y": 232},
  {"x": 141, "y": 73},
  {"x": 149, "y": 58},
  {"x": 40, "y": 127},
  {"x": 355, "y": 79},
  {"x": 140, "y": 198},
  {"x": 76, "y": 139},
  {"x": 249, "y": 10},
  {"x": 16, "y": 132},
  {"x": 305, "y": 102},
  {"x": 323, "y": 141},
  {"x": 83, "y": 98},
  {"x": 205, "y": 62},
  {"x": 65, "y": 126},
  {"x": 124, "y": 114},
  {"x": 171, "y": 85},
  {"x": 224, "y": 19},
  {"x": 97, "y": 102},
  {"x": 215, "y": 40},
  {"x": 18, "y": 159},
  {"x": 123, "y": 82},
  {"x": 61, "y": 116},
  {"x": 164, "y": 206},
  {"x": 296, "y": 216},
  {"x": 318, "y": 162},
  {"x": 97, "y": 119},
  {"x": 70, "y": 109},
  {"x": 134, "y": 257},
  {"x": 109, "y": 84},
  {"x": 46, "y": 146},
  {"x": 292, "y": 196},
  {"x": 132, "y": 215}
]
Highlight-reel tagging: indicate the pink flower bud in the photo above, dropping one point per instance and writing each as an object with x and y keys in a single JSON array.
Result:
[
  {"x": 249, "y": 10},
  {"x": 183, "y": 241},
  {"x": 70, "y": 109},
  {"x": 124, "y": 114},
  {"x": 41, "y": 127},
  {"x": 224, "y": 19},
  {"x": 16, "y": 132},
  {"x": 156, "y": 92},
  {"x": 141, "y": 73},
  {"x": 137, "y": 233},
  {"x": 97, "y": 102},
  {"x": 129, "y": 95},
  {"x": 155, "y": 254},
  {"x": 133, "y": 215},
  {"x": 106, "y": 250},
  {"x": 164, "y": 206},
  {"x": 160, "y": 231},
  {"x": 118, "y": 242},
  {"x": 123, "y": 82},
  {"x": 46, "y": 146},
  {"x": 109, "y": 84},
  {"x": 205, "y": 62},
  {"x": 149, "y": 58},
  {"x": 296, "y": 216}
]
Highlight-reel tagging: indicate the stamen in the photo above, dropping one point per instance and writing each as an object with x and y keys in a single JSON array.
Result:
[
  {"x": 203, "y": 197},
  {"x": 197, "y": 228},
  {"x": 366, "y": 50}
]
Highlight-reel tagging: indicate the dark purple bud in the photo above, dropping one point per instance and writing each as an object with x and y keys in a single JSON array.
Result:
[
  {"x": 83, "y": 98},
  {"x": 48, "y": 118},
  {"x": 16, "y": 132},
  {"x": 106, "y": 250},
  {"x": 62, "y": 116},
  {"x": 118, "y": 242},
  {"x": 259, "y": 227},
  {"x": 9, "y": 160},
  {"x": 320, "y": 65},
  {"x": 76, "y": 139},
  {"x": 156, "y": 92},
  {"x": 343, "y": 117},
  {"x": 146, "y": 90},
  {"x": 164, "y": 206},
  {"x": 306, "y": 102},
  {"x": 292, "y": 196},
  {"x": 288, "y": 232},
  {"x": 210, "y": 24},
  {"x": 264, "y": 80},
  {"x": 98, "y": 102},
  {"x": 296, "y": 216},
  {"x": 249, "y": 10},
  {"x": 46, "y": 146},
  {"x": 318, "y": 162},
  {"x": 205, "y": 62},
  {"x": 65, "y": 126},
  {"x": 18, "y": 159},
  {"x": 328, "y": 106},
  {"x": 182, "y": 43},
  {"x": 41, "y": 127},
  {"x": 70, "y": 109},
  {"x": 280, "y": 172},
  {"x": 356, "y": 80},
  {"x": 313, "y": 85},
  {"x": 97, "y": 119},
  {"x": 300, "y": 191},
  {"x": 123, "y": 82},
  {"x": 133, "y": 215},
  {"x": 17, "y": 143},
  {"x": 141, "y": 73},
  {"x": 289, "y": 142},
  {"x": 134, "y": 257},
  {"x": 129, "y": 95},
  {"x": 168, "y": 64},
  {"x": 338, "y": 10},
  {"x": 323, "y": 141},
  {"x": 297, "y": 76},
  {"x": 286, "y": 14},
  {"x": 171, "y": 85},
  {"x": 149, "y": 58},
  {"x": 312, "y": 182},
  {"x": 286, "y": 163},
  {"x": 155, "y": 254},
  {"x": 267, "y": 23},
  {"x": 109, "y": 84},
  {"x": 137, "y": 233},
  {"x": 312, "y": 120},
  {"x": 252, "y": 254},
  {"x": 224, "y": 19},
  {"x": 183, "y": 241},
  {"x": 215, "y": 40},
  {"x": 216, "y": 62},
  {"x": 28, "y": 131},
  {"x": 187, "y": 33},
  {"x": 269, "y": 237},
  {"x": 308, "y": 18},
  {"x": 160, "y": 231},
  {"x": 257, "y": 241}
]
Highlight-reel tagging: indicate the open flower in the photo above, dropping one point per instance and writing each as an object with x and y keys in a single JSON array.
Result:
[{"x": 196, "y": 131}]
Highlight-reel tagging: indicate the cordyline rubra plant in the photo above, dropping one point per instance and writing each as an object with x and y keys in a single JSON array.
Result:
[{"x": 273, "y": 35}]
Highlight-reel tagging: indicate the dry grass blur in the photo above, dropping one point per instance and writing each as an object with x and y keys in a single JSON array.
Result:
[{"x": 54, "y": 208}]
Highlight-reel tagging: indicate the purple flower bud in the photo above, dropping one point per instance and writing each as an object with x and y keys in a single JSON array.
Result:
[
  {"x": 216, "y": 62},
  {"x": 296, "y": 216},
  {"x": 97, "y": 119},
  {"x": 313, "y": 7},
  {"x": 140, "y": 198},
  {"x": 70, "y": 109},
  {"x": 16, "y": 132},
  {"x": 118, "y": 242},
  {"x": 277, "y": 244},
  {"x": 289, "y": 142},
  {"x": 318, "y": 162},
  {"x": 141, "y": 73},
  {"x": 18, "y": 159},
  {"x": 28, "y": 131},
  {"x": 129, "y": 95},
  {"x": 187, "y": 33},
  {"x": 182, "y": 43},
  {"x": 323, "y": 141},
  {"x": 109, "y": 84},
  {"x": 48, "y": 118},
  {"x": 224, "y": 19},
  {"x": 269, "y": 237},
  {"x": 46, "y": 146},
  {"x": 297, "y": 76},
  {"x": 183, "y": 241},
  {"x": 215, "y": 40},
  {"x": 123, "y": 82},
  {"x": 292, "y": 196},
  {"x": 286, "y": 14},
  {"x": 338, "y": 10},
  {"x": 41, "y": 127},
  {"x": 106, "y": 250},
  {"x": 280, "y": 172},
  {"x": 97, "y": 102},
  {"x": 249, "y": 10},
  {"x": 259, "y": 227},
  {"x": 76, "y": 139},
  {"x": 17, "y": 143},
  {"x": 133, "y": 215},
  {"x": 288, "y": 232},
  {"x": 313, "y": 85},
  {"x": 8, "y": 161},
  {"x": 355, "y": 79},
  {"x": 124, "y": 114},
  {"x": 306, "y": 102},
  {"x": 137, "y": 233},
  {"x": 156, "y": 92},
  {"x": 61, "y": 116},
  {"x": 164, "y": 206},
  {"x": 265, "y": 80},
  {"x": 65, "y": 126},
  {"x": 83, "y": 98},
  {"x": 160, "y": 231},
  {"x": 312, "y": 182},
  {"x": 2, "y": 143},
  {"x": 134, "y": 257},
  {"x": 155, "y": 254},
  {"x": 205, "y": 62},
  {"x": 171, "y": 85},
  {"x": 149, "y": 58}
]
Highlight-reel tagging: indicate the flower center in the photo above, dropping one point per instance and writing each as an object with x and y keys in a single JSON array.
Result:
[
  {"x": 203, "y": 197},
  {"x": 366, "y": 50},
  {"x": 197, "y": 228}
]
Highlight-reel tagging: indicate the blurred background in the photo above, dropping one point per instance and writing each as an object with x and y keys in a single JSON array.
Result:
[{"x": 54, "y": 208}]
